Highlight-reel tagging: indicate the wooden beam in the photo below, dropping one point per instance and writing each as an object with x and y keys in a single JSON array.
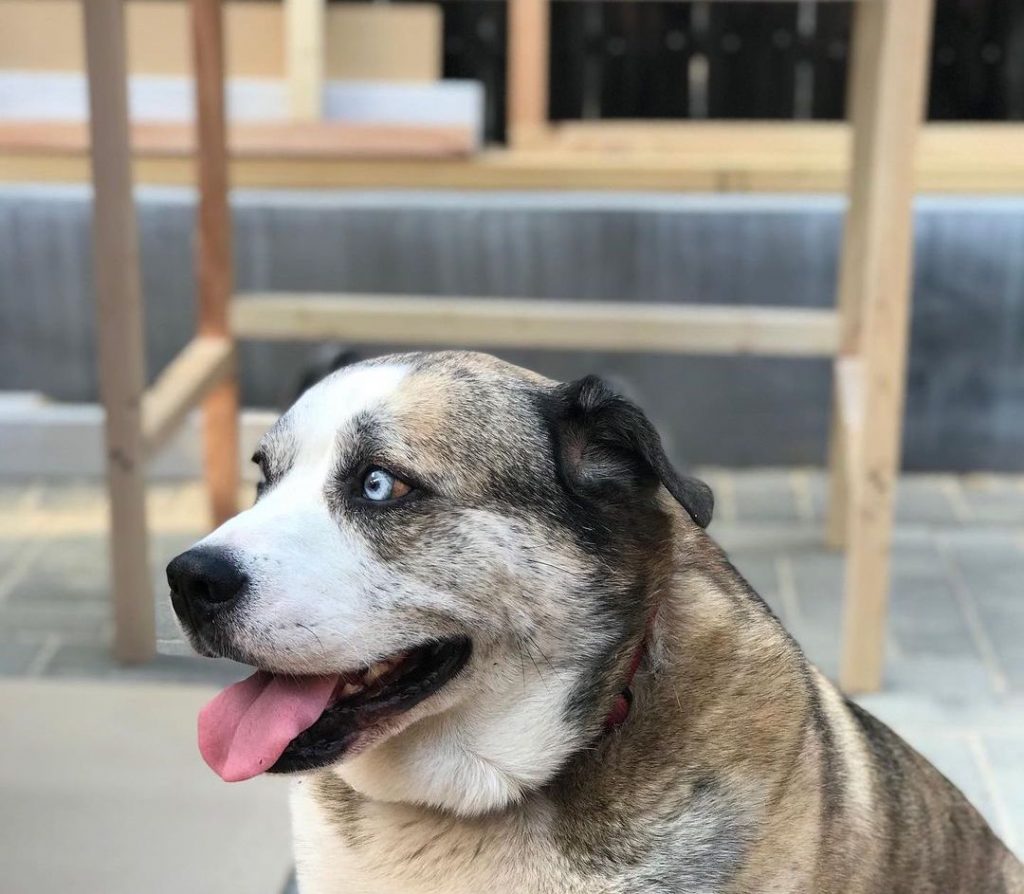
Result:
[
  {"x": 204, "y": 363},
  {"x": 362, "y": 41},
  {"x": 304, "y": 25},
  {"x": 529, "y": 28},
  {"x": 862, "y": 89},
  {"x": 326, "y": 139},
  {"x": 896, "y": 37},
  {"x": 119, "y": 330},
  {"x": 511, "y": 322},
  {"x": 213, "y": 254},
  {"x": 971, "y": 158}
]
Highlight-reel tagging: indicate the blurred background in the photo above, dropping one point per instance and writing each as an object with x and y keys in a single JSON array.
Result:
[{"x": 377, "y": 153}]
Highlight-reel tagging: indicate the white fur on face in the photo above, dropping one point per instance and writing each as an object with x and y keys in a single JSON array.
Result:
[{"x": 305, "y": 611}]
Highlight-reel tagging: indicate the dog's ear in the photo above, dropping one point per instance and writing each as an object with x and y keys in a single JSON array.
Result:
[{"x": 604, "y": 440}]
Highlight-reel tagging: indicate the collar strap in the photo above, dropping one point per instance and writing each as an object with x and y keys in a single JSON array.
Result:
[{"x": 624, "y": 700}]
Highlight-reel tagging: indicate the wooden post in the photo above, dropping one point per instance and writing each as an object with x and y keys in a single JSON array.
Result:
[
  {"x": 305, "y": 57},
  {"x": 896, "y": 35},
  {"x": 119, "y": 329},
  {"x": 861, "y": 92},
  {"x": 214, "y": 261},
  {"x": 528, "y": 49}
]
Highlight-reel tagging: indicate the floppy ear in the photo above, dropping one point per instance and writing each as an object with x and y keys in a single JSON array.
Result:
[{"x": 606, "y": 440}]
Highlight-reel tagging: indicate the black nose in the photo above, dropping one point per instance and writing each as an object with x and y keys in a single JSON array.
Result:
[{"x": 205, "y": 579}]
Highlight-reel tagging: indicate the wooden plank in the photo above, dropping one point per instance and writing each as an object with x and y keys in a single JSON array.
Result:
[
  {"x": 204, "y": 363},
  {"x": 45, "y": 35},
  {"x": 389, "y": 42},
  {"x": 863, "y": 88},
  {"x": 512, "y": 322},
  {"x": 304, "y": 57},
  {"x": 119, "y": 331},
  {"x": 529, "y": 26},
  {"x": 966, "y": 158},
  {"x": 756, "y": 138},
  {"x": 384, "y": 41},
  {"x": 214, "y": 258},
  {"x": 897, "y": 35},
  {"x": 283, "y": 139}
]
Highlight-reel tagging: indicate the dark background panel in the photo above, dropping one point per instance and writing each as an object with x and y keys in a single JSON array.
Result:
[
  {"x": 753, "y": 52},
  {"x": 662, "y": 59}
]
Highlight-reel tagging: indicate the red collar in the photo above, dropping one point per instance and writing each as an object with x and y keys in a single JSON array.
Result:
[{"x": 624, "y": 700}]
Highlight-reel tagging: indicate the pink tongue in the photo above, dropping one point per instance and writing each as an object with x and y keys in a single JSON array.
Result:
[{"x": 245, "y": 729}]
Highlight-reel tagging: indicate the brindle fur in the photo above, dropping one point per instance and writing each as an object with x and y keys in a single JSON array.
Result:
[{"x": 739, "y": 769}]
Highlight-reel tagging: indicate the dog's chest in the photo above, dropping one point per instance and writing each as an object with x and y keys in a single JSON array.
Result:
[{"x": 392, "y": 848}]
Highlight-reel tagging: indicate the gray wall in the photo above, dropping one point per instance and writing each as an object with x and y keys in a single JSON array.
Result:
[{"x": 966, "y": 397}]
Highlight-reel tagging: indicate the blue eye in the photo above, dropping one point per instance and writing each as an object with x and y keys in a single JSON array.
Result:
[{"x": 378, "y": 485}]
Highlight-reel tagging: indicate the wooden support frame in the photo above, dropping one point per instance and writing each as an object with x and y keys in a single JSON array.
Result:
[
  {"x": 868, "y": 332},
  {"x": 214, "y": 258},
  {"x": 305, "y": 58},
  {"x": 528, "y": 323},
  {"x": 139, "y": 421},
  {"x": 888, "y": 78},
  {"x": 528, "y": 127},
  {"x": 204, "y": 364},
  {"x": 119, "y": 330},
  {"x": 893, "y": 41},
  {"x": 529, "y": 27}
]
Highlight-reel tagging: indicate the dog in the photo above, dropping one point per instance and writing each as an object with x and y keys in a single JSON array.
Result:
[{"x": 499, "y": 653}]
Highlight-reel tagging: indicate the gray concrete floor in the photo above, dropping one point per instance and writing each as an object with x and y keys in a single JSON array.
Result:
[
  {"x": 103, "y": 792},
  {"x": 955, "y": 671}
]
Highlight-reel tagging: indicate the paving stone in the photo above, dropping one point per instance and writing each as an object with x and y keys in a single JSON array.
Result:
[
  {"x": 992, "y": 578},
  {"x": 818, "y": 578},
  {"x": 68, "y": 494},
  {"x": 993, "y": 573},
  {"x": 1006, "y": 759},
  {"x": 916, "y": 556},
  {"x": 15, "y": 494},
  {"x": 925, "y": 618},
  {"x": 11, "y": 548},
  {"x": 103, "y": 790},
  {"x": 1001, "y": 715},
  {"x": 95, "y": 661},
  {"x": 817, "y": 486},
  {"x": 954, "y": 679},
  {"x": 16, "y": 656},
  {"x": 68, "y": 570},
  {"x": 1007, "y": 639},
  {"x": 765, "y": 496},
  {"x": 994, "y": 498},
  {"x": 925, "y": 499},
  {"x": 88, "y": 622}
]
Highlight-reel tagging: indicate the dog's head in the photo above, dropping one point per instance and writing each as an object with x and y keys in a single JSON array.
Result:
[{"x": 447, "y": 568}]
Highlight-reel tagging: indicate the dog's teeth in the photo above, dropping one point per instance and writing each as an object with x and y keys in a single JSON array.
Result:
[
  {"x": 375, "y": 671},
  {"x": 350, "y": 688}
]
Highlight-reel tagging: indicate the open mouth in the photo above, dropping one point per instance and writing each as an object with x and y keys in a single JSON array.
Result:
[{"x": 286, "y": 724}]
